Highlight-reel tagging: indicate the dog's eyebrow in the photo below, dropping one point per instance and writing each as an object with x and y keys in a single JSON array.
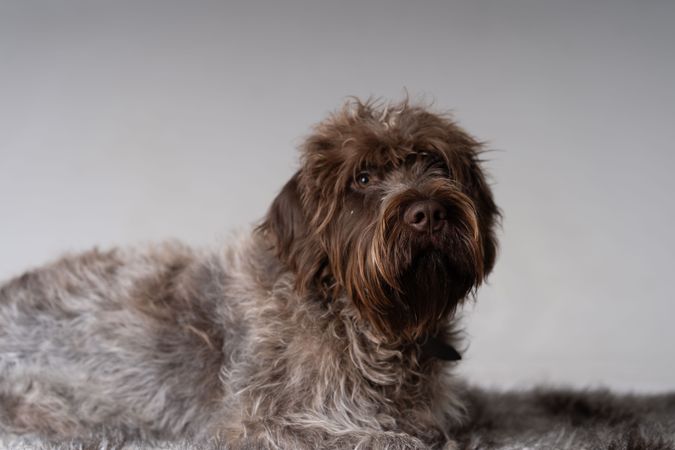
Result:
[
  {"x": 432, "y": 155},
  {"x": 371, "y": 168}
]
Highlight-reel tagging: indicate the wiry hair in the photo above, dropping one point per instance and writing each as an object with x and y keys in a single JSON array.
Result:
[
  {"x": 366, "y": 255},
  {"x": 326, "y": 327}
]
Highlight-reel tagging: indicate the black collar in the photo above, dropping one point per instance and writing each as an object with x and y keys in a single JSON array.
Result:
[{"x": 436, "y": 348}]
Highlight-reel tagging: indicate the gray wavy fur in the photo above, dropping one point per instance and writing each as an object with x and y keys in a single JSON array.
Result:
[
  {"x": 306, "y": 333},
  {"x": 168, "y": 342}
]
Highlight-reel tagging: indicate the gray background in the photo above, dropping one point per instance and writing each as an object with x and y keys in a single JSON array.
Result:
[{"x": 131, "y": 121}]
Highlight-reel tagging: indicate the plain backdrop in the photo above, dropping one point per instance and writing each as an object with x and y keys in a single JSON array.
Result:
[{"x": 129, "y": 121}]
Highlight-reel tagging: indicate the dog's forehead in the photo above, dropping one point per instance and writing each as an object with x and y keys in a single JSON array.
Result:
[
  {"x": 345, "y": 144},
  {"x": 380, "y": 151},
  {"x": 373, "y": 154},
  {"x": 400, "y": 158}
]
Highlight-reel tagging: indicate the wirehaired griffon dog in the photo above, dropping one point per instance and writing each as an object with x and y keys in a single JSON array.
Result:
[{"x": 328, "y": 326}]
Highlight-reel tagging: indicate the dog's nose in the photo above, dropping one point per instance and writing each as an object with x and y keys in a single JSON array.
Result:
[{"x": 426, "y": 215}]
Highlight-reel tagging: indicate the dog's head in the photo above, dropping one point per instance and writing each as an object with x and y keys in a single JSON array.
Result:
[{"x": 390, "y": 207}]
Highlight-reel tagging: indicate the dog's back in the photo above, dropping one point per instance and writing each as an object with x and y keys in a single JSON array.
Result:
[{"x": 117, "y": 339}]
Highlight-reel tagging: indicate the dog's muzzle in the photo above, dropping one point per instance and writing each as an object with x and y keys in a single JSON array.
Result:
[{"x": 426, "y": 216}]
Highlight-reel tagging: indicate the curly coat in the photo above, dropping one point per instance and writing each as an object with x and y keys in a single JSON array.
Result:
[{"x": 328, "y": 326}]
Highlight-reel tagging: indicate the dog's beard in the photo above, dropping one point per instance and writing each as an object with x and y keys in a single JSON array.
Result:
[
  {"x": 431, "y": 289},
  {"x": 405, "y": 282}
]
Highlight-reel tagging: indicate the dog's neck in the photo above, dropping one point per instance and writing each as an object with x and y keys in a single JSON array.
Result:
[
  {"x": 433, "y": 347},
  {"x": 436, "y": 346}
]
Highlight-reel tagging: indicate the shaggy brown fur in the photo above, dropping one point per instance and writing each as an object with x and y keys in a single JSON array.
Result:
[
  {"x": 353, "y": 238},
  {"x": 328, "y": 326}
]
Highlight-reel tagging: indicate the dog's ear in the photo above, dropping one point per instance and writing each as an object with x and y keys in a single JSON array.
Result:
[
  {"x": 463, "y": 154},
  {"x": 287, "y": 226},
  {"x": 285, "y": 219},
  {"x": 488, "y": 213}
]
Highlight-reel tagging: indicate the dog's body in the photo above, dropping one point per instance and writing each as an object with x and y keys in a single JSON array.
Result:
[
  {"x": 321, "y": 329},
  {"x": 170, "y": 343}
]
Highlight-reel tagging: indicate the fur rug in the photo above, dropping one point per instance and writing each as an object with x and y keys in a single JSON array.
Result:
[{"x": 538, "y": 419}]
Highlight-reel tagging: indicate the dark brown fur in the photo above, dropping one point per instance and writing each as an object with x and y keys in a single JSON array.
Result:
[{"x": 324, "y": 229}]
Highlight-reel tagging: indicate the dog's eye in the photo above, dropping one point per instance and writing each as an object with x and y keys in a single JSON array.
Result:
[{"x": 362, "y": 179}]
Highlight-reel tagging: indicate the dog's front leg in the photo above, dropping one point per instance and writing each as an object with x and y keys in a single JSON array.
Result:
[
  {"x": 295, "y": 440},
  {"x": 277, "y": 436},
  {"x": 396, "y": 441}
]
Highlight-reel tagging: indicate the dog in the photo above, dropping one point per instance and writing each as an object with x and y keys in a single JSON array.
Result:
[{"x": 330, "y": 325}]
